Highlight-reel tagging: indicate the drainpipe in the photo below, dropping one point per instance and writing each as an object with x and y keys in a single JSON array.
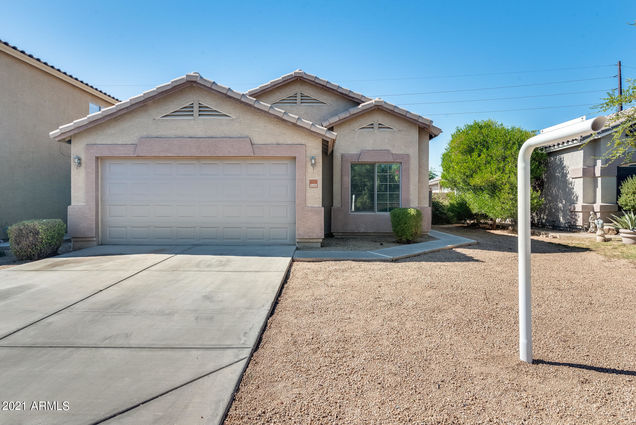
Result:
[{"x": 561, "y": 132}]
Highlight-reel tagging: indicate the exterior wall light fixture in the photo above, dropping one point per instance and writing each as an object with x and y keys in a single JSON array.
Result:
[
  {"x": 313, "y": 161},
  {"x": 77, "y": 161}
]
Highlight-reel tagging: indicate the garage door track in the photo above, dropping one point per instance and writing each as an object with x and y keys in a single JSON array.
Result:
[{"x": 132, "y": 334}]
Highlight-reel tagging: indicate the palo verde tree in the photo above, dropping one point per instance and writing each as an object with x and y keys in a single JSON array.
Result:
[
  {"x": 624, "y": 137},
  {"x": 480, "y": 162}
]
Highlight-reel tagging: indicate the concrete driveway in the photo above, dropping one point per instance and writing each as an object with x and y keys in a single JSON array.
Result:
[{"x": 133, "y": 335}]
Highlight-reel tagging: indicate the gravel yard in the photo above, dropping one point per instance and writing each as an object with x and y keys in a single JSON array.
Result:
[{"x": 433, "y": 339}]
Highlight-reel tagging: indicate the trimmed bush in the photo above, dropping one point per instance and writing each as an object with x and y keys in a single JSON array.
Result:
[
  {"x": 458, "y": 208},
  {"x": 627, "y": 200},
  {"x": 440, "y": 212},
  {"x": 35, "y": 239},
  {"x": 406, "y": 224}
]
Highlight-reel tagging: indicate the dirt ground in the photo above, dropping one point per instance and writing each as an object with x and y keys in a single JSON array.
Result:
[
  {"x": 362, "y": 243},
  {"x": 433, "y": 339}
]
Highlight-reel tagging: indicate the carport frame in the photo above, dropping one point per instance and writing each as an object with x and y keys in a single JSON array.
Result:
[{"x": 84, "y": 220}]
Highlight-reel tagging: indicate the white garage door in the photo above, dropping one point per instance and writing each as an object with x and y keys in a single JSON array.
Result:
[{"x": 198, "y": 201}]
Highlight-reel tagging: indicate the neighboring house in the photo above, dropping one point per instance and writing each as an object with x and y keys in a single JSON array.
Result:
[
  {"x": 579, "y": 181},
  {"x": 35, "y": 179},
  {"x": 192, "y": 161},
  {"x": 435, "y": 186}
]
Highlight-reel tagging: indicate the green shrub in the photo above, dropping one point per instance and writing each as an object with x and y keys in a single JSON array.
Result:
[
  {"x": 627, "y": 200},
  {"x": 35, "y": 239},
  {"x": 440, "y": 212},
  {"x": 627, "y": 221},
  {"x": 458, "y": 208},
  {"x": 406, "y": 224}
]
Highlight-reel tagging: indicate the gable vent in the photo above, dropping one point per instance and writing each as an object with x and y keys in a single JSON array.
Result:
[
  {"x": 299, "y": 99},
  {"x": 384, "y": 127},
  {"x": 206, "y": 111},
  {"x": 369, "y": 126},
  {"x": 289, "y": 100},
  {"x": 185, "y": 112},
  {"x": 308, "y": 100}
]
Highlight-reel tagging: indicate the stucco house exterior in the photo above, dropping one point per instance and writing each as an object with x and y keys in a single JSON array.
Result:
[
  {"x": 35, "y": 174},
  {"x": 194, "y": 162},
  {"x": 435, "y": 186},
  {"x": 579, "y": 180}
]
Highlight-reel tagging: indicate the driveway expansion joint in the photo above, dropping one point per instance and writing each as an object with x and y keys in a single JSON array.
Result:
[{"x": 84, "y": 298}]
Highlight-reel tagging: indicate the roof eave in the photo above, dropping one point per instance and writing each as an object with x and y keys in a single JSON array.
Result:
[{"x": 64, "y": 132}]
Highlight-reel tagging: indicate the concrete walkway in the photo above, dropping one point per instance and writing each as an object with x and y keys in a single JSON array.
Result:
[
  {"x": 442, "y": 241},
  {"x": 133, "y": 335}
]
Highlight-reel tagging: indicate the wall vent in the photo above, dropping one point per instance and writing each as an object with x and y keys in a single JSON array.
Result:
[
  {"x": 299, "y": 99},
  {"x": 206, "y": 111},
  {"x": 289, "y": 100},
  {"x": 184, "y": 112},
  {"x": 369, "y": 126},
  {"x": 308, "y": 100},
  {"x": 384, "y": 127}
]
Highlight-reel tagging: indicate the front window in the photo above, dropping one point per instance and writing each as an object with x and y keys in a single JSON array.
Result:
[{"x": 375, "y": 187}]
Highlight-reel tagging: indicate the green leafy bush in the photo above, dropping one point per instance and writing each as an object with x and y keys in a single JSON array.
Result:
[
  {"x": 440, "y": 212},
  {"x": 627, "y": 200},
  {"x": 450, "y": 208},
  {"x": 35, "y": 239},
  {"x": 627, "y": 221},
  {"x": 406, "y": 224}
]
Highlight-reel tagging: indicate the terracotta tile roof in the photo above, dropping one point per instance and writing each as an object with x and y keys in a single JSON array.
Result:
[
  {"x": 57, "y": 69},
  {"x": 67, "y": 130},
  {"x": 381, "y": 104},
  {"x": 302, "y": 75}
]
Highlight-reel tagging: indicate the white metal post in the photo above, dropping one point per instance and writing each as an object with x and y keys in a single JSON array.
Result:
[{"x": 568, "y": 130}]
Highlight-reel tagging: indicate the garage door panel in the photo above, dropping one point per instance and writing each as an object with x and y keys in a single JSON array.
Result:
[{"x": 208, "y": 201}]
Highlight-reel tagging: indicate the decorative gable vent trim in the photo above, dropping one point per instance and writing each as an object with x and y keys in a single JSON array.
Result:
[
  {"x": 206, "y": 111},
  {"x": 376, "y": 126},
  {"x": 299, "y": 98},
  {"x": 308, "y": 100},
  {"x": 184, "y": 112}
]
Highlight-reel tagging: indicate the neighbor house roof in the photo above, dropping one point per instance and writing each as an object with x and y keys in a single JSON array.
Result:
[
  {"x": 44, "y": 66},
  {"x": 67, "y": 130},
  {"x": 613, "y": 121},
  {"x": 312, "y": 79},
  {"x": 385, "y": 106}
]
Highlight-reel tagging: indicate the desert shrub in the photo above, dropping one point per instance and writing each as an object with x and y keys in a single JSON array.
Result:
[
  {"x": 35, "y": 239},
  {"x": 406, "y": 224},
  {"x": 626, "y": 221},
  {"x": 627, "y": 200},
  {"x": 458, "y": 208},
  {"x": 439, "y": 213}
]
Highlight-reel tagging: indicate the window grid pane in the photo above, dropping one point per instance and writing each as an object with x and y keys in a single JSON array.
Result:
[
  {"x": 375, "y": 187},
  {"x": 387, "y": 187}
]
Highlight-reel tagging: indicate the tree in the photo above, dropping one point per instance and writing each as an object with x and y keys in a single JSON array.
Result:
[
  {"x": 431, "y": 174},
  {"x": 480, "y": 162},
  {"x": 624, "y": 136}
]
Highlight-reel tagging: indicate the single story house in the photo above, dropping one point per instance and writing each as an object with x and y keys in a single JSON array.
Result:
[
  {"x": 194, "y": 162},
  {"x": 435, "y": 186},
  {"x": 35, "y": 174},
  {"x": 579, "y": 180}
]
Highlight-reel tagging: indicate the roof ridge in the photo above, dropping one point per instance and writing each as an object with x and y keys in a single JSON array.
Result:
[
  {"x": 299, "y": 73},
  {"x": 56, "y": 69},
  {"x": 381, "y": 103},
  {"x": 77, "y": 125}
]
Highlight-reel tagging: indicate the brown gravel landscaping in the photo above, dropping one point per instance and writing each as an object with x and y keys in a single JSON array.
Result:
[
  {"x": 433, "y": 339},
  {"x": 362, "y": 243}
]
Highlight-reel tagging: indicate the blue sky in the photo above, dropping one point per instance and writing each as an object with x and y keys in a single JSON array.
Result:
[{"x": 434, "y": 58}]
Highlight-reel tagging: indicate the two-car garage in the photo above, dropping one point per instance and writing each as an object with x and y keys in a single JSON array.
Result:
[{"x": 198, "y": 201}]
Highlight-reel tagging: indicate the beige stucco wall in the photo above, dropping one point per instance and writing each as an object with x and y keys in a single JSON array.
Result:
[
  {"x": 35, "y": 170},
  {"x": 578, "y": 181},
  {"x": 246, "y": 121},
  {"x": 334, "y": 103},
  {"x": 403, "y": 139}
]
